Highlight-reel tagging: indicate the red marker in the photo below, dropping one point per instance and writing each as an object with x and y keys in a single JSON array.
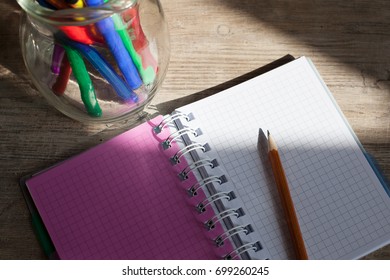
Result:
[
  {"x": 61, "y": 82},
  {"x": 140, "y": 42},
  {"x": 79, "y": 34}
]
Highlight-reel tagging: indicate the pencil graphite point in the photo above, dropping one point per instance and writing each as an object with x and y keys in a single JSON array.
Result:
[{"x": 271, "y": 143}]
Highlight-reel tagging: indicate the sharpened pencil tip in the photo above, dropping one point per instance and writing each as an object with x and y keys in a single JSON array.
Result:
[
  {"x": 271, "y": 142},
  {"x": 268, "y": 133}
]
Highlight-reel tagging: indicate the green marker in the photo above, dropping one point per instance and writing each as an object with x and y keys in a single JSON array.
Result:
[
  {"x": 42, "y": 235},
  {"x": 85, "y": 84},
  {"x": 37, "y": 223},
  {"x": 148, "y": 75}
]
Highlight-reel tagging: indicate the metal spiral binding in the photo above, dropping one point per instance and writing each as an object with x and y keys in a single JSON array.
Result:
[
  {"x": 193, "y": 190},
  {"x": 222, "y": 215},
  {"x": 255, "y": 246},
  {"x": 201, "y": 207},
  {"x": 170, "y": 118},
  {"x": 210, "y": 224},
  {"x": 183, "y": 175},
  {"x": 219, "y": 241},
  {"x": 176, "y": 157},
  {"x": 167, "y": 143}
]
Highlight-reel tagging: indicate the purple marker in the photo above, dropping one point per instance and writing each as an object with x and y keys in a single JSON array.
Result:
[{"x": 58, "y": 55}]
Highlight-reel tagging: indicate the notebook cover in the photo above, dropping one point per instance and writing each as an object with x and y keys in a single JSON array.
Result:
[{"x": 123, "y": 200}]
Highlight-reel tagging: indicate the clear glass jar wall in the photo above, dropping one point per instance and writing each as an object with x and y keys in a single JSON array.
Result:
[{"x": 95, "y": 60}]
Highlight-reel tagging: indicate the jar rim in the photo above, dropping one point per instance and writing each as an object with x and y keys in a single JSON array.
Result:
[{"x": 72, "y": 16}]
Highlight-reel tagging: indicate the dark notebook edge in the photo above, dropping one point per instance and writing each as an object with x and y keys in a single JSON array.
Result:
[{"x": 168, "y": 107}]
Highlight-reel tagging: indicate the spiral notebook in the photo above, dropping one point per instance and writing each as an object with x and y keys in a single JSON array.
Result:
[{"x": 191, "y": 185}]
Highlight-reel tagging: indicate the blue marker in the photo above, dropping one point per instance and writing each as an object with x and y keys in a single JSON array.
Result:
[
  {"x": 118, "y": 50},
  {"x": 44, "y": 4},
  {"x": 102, "y": 66}
]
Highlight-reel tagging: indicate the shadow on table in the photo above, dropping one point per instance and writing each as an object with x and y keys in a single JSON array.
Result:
[
  {"x": 11, "y": 54},
  {"x": 354, "y": 32}
]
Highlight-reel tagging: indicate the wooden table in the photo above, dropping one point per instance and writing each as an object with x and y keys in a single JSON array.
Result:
[{"x": 211, "y": 42}]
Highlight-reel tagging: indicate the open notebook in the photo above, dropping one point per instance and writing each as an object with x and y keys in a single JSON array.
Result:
[{"x": 193, "y": 186}]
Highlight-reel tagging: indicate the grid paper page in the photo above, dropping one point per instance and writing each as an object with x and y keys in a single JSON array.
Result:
[
  {"x": 343, "y": 210},
  {"x": 123, "y": 200}
]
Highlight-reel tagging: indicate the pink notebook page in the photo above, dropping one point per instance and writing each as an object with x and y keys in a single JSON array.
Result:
[{"x": 123, "y": 199}]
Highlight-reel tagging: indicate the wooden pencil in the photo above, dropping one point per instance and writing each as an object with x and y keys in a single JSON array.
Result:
[{"x": 286, "y": 200}]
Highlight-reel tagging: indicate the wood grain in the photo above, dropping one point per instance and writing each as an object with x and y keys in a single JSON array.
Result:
[{"x": 211, "y": 42}]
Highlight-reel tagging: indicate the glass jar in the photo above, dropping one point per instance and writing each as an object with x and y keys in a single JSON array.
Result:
[{"x": 96, "y": 61}]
